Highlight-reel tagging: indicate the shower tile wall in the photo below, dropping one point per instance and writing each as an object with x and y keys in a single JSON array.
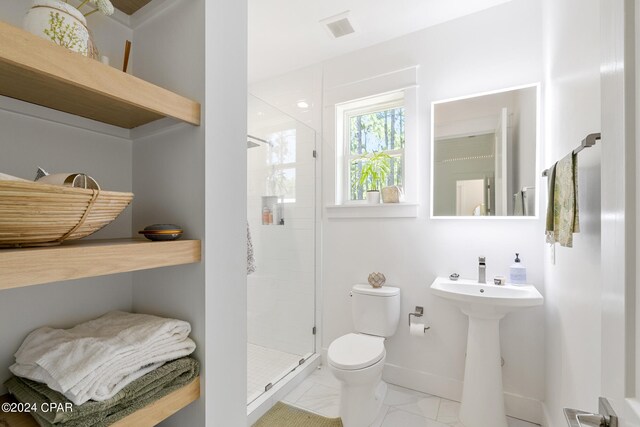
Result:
[{"x": 281, "y": 293}]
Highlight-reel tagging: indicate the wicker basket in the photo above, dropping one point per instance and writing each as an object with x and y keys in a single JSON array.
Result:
[{"x": 33, "y": 214}]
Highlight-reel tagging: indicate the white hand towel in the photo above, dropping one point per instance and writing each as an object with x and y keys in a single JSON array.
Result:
[{"x": 96, "y": 359}]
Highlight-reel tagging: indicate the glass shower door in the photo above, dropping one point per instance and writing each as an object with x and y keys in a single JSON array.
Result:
[{"x": 281, "y": 209}]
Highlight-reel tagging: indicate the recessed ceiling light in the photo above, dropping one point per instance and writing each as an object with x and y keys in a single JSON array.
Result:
[{"x": 302, "y": 104}]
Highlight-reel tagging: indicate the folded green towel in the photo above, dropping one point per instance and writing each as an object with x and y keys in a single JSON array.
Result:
[
  {"x": 562, "y": 209},
  {"x": 140, "y": 393}
]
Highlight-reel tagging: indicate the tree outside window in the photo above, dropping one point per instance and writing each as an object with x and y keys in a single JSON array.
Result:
[
  {"x": 281, "y": 159},
  {"x": 374, "y": 130}
]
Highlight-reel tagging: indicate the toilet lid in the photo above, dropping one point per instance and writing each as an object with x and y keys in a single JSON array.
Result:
[{"x": 355, "y": 351}]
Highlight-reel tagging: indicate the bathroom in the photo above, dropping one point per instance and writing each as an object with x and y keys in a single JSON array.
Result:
[
  {"x": 551, "y": 354},
  {"x": 496, "y": 48},
  {"x": 271, "y": 162}
]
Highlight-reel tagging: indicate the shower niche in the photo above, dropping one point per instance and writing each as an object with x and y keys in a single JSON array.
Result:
[{"x": 272, "y": 210}]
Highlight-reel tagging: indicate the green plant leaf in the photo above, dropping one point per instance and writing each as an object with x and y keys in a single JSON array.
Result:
[{"x": 375, "y": 170}]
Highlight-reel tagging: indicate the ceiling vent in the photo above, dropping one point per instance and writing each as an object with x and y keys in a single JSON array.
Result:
[{"x": 338, "y": 25}]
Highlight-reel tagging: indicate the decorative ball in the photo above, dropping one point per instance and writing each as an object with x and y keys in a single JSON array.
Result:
[{"x": 377, "y": 280}]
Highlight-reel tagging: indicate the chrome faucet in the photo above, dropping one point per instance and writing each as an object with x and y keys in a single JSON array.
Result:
[{"x": 482, "y": 270}]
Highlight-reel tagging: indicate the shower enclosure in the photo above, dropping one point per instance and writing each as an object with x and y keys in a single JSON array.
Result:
[{"x": 281, "y": 213}]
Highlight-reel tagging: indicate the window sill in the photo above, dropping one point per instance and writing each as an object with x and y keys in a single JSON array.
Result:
[{"x": 388, "y": 210}]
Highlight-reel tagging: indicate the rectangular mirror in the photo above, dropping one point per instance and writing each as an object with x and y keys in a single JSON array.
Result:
[{"x": 484, "y": 151}]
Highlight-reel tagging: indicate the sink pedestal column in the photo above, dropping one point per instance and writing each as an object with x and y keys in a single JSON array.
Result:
[{"x": 482, "y": 395}]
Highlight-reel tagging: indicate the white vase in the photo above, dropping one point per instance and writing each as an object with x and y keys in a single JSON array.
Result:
[
  {"x": 373, "y": 197},
  {"x": 59, "y": 22}
]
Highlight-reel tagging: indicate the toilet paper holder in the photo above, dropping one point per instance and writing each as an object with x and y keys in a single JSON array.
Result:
[{"x": 419, "y": 312}]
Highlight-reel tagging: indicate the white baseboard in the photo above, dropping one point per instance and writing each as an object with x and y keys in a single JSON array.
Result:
[
  {"x": 517, "y": 406},
  {"x": 546, "y": 419},
  {"x": 422, "y": 381},
  {"x": 521, "y": 407}
]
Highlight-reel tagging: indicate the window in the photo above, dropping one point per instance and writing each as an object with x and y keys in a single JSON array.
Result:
[
  {"x": 374, "y": 115},
  {"x": 374, "y": 137},
  {"x": 281, "y": 159}
]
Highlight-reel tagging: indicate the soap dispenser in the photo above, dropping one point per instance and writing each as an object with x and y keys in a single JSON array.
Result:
[{"x": 518, "y": 272}]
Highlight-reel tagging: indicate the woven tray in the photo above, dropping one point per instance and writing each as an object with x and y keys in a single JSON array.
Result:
[{"x": 33, "y": 214}]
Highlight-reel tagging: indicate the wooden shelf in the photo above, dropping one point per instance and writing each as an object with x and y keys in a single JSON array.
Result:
[
  {"x": 148, "y": 416},
  {"x": 38, "y": 71},
  {"x": 90, "y": 258},
  {"x": 130, "y": 6}
]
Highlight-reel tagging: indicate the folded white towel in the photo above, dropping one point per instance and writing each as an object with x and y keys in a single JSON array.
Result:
[{"x": 96, "y": 359}]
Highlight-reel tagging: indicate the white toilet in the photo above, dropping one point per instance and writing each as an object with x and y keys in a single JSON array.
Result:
[{"x": 357, "y": 359}]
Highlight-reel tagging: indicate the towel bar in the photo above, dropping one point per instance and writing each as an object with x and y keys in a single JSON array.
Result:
[{"x": 589, "y": 141}]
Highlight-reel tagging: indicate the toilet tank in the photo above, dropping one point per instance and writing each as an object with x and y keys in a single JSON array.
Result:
[{"x": 376, "y": 311}]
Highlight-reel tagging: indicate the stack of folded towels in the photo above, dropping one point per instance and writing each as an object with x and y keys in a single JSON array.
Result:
[{"x": 108, "y": 367}]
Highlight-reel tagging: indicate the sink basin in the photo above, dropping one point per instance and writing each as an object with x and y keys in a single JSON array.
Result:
[
  {"x": 479, "y": 298},
  {"x": 482, "y": 402}
]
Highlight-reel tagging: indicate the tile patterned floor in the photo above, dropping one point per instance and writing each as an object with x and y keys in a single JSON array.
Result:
[
  {"x": 320, "y": 393},
  {"x": 264, "y": 366}
]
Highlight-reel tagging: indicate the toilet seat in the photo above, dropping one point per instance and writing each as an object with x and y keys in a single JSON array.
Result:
[{"x": 356, "y": 351}]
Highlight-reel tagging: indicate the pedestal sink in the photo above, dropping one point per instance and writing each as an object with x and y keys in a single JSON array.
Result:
[{"x": 485, "y": 304}]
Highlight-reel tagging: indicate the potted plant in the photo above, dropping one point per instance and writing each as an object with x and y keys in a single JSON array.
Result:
[
  {"x": 64, "y": 24},
  {"x": 373, "y": 175}
]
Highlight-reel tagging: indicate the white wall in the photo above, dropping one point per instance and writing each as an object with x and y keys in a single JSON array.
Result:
[
  {"x": 505, "y": 51},
  {"x": 28, "y": 143},
  {"x": 169, "y": 176},
  {"x": 196, "y": 177},
  {"x": 573, "y": 284},
  {"x": 226, "y": 208}
]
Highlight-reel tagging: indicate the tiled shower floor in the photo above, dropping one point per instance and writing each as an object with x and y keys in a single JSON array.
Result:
[
  {"x": 320, "y": 393},
  {"x": 264, "y": 366}
]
